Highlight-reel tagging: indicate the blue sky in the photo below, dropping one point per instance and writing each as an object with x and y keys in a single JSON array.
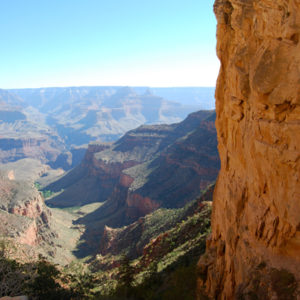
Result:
[{"x": 112, "y": 42}]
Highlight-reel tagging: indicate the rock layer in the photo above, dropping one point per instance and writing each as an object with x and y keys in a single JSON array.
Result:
[
  {"x": 24, "y": 217},
  {"x": 256, "y": 214}
]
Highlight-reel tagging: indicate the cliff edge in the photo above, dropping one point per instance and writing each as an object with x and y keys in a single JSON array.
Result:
[{"x": 254, "y": 249}]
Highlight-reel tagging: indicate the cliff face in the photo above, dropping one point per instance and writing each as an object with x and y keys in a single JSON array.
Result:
[
  {"x": 24, "y": 218},
  {"x": 255, "y": 242},
  {"x": 43, "y": 148},
  {"x": 92, "y": 181}
]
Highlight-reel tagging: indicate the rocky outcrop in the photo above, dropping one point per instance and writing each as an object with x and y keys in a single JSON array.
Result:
[
  {"x": 137, "y": 205},
  {"x": 30, "y": 208},
  {"x": 30, "y": 235},
  {"x": 42, "y": 148},
  {"x": 93, "y": 180},
  {"x": 24, "y": 218},
  {"x": 255, "y": 243},
  {"x": 187, "y": 152}
]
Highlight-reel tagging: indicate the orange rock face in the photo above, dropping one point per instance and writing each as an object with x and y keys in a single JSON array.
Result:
[
  {"x": 31, "y": 208},
  {"x": 138, "y": 205},
  {"x": 256, "y": 214},
  {"x": 30, "y": 235}
]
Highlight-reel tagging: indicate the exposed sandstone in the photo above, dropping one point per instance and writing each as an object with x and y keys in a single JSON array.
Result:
[
  {"x": 126, "y": 180},
  {"x": 24, "y": 218},
  {"x": 137, "y": 205},
  {"x": 30, "y": 235},
  {"x": 256, "y": 215},
  {"x": 41, "y": 147},
  {"x": 31, "y": 208}
]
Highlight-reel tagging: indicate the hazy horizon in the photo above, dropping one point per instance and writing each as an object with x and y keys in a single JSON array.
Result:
[{"x": 119, "y": 86}]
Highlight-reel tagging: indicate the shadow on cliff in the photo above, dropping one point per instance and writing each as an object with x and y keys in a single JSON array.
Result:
[{"x": 111, "y": 213}]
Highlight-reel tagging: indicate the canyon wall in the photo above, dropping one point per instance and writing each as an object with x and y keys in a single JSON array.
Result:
[
  {"x": 25, "y": 221},
  {"x": 41, "y": 147},
  {"x": 254, "y": 249}
]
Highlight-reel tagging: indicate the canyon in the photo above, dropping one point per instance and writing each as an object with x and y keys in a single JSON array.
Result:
[
  {"x": 146, "y": 196},
  {"x": 254, "y": 248},
  {"x": 151, "y": 167},
  {"x": 25, "y": 219}
]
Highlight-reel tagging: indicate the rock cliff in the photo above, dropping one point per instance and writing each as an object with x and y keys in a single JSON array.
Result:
[
  {"x": 24, "y": 218},
  {"x": 254, "y": 250}
]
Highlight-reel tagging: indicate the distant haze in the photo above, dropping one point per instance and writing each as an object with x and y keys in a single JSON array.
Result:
[
  {"x": 204, "y": 97},
  {"x": 200, "y": 97},
  {"x": 55, "y": 124}
]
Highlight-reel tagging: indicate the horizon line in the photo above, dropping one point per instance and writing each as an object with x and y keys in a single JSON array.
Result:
[{"x": 116, "y": 86}]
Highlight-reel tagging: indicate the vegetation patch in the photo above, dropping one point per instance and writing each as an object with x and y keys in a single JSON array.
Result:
[{"x": 45, "y": 193}]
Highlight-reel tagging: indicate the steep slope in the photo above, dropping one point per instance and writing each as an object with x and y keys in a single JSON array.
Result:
[
  {"x": 254, "y": 250},
  {"x": 132, "y": 239},
  {"x": 192, "y": 161},
  {"x": 162, "y": 249},
  {"x": 24, "y": 217},
  {"x": 170, "y": 242},
  {"x": 28, "y": 228}
]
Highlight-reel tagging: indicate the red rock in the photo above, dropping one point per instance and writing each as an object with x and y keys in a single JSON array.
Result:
[
  {"x": 29, "y": 237},
  {"x": 141, "y": 205}
]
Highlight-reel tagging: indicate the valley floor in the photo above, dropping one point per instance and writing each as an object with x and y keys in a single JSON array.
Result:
[{"x": 68, "y": 233}]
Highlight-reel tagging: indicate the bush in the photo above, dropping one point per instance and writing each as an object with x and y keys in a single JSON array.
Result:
[
  {"x": 44, "y": 282},
  {"x": 12, "y": 278}
]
